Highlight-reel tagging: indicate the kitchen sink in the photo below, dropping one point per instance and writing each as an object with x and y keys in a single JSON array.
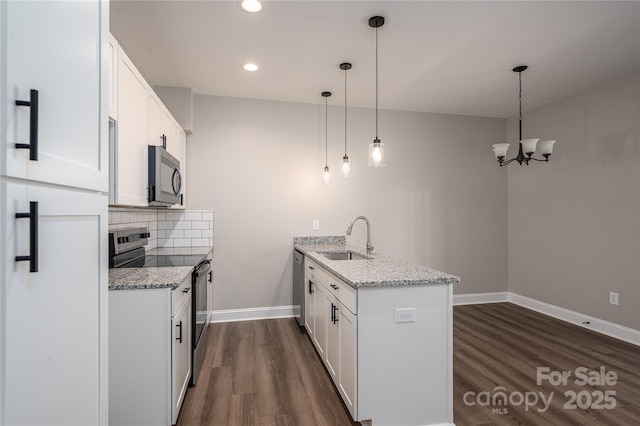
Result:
[{"x": 343, "y": 255}]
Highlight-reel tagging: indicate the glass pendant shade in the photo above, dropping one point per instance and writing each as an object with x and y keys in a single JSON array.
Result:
[
  {"x": 326, "y": 175},
  {"x": 500, "y": 149},
  {"x": 529, "y": 146},
  {"x": 376, "y": 153},
  {"x": 546, "y": 147},
  {"x": 345, "y": 170}
]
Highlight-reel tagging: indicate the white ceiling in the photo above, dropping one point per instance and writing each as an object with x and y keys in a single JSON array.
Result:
[{"x": 447, "y": 56}]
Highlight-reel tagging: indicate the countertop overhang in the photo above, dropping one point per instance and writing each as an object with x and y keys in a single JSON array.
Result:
[
  {"x": 377, "y": 271},
  {"x": 156, "y": 277}
]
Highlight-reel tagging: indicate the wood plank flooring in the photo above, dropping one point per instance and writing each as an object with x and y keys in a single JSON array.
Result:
[
  {"x": 504, "y": 344},
  {"x": 262, "y": 373},
  {"x": 268, "y": 373}
]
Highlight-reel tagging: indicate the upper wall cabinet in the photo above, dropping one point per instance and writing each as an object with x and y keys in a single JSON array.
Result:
[
  {"x": 52, "y": 118},
  {"x": 131, "y": 175},
  {"x": 142, "y": 120}
]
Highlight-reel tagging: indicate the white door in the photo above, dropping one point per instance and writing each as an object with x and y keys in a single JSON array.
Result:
[
  {"x": 54, "y": 343},
  {"x": 347, "y": 376},
  {"x": 320, "y": 331},
  {"x": 56, "y": 48},
  {"x": 181, "y": 356},
  {"x": 309, "y": 305}
]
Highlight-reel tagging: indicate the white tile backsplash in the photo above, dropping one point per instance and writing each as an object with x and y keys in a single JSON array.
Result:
[{"x": 187, "y": 228}]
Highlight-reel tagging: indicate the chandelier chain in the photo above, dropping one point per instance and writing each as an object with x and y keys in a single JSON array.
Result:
[
  {"x": 376, "y": 82},
  {"x": 326, "y": 127},
  {"x": 345, "y": 111}
]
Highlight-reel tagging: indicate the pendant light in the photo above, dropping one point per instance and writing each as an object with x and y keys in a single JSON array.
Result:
[
  {"x": 345, "y": 171},
  {"x": 526, "y": 146},
  {"x": 326, "y": 174},
  {"x": 376, "y": 148}
]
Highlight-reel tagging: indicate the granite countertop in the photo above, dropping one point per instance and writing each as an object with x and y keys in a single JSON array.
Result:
[
  {"x": 155, "y": 277},
  {"x": 376, "y": 271}
]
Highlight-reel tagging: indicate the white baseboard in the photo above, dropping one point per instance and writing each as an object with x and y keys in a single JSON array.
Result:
[
  {"x": 479, "y": 298},
  {"x": 601, "y": 326},
  {"x": 251, "y": 314}
]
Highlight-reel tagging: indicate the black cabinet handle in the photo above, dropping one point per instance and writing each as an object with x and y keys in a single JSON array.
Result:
[
  {"x": 335, "y": 287},
  {"x": 186, "y": 290},
  {"x": 179, "y": 338},
  {"x": 310, "y": 287},
  {"x": 164, "y": 141},
  {"x": 33, "y": 236},
  {"x": 312, "y": 268},
  {"x": 210, "y": 274},
  {"x": 334, "y": 313},
  {"x": 32, "y": 146}
]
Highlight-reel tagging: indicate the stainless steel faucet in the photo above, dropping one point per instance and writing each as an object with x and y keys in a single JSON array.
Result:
[{"x": 350, "y": 228}]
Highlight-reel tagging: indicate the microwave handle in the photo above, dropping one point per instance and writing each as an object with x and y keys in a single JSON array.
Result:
[{"x": 176, "y": 176}]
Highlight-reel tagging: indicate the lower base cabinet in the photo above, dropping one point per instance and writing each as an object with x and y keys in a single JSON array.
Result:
[{"x": 149, "y": 354}]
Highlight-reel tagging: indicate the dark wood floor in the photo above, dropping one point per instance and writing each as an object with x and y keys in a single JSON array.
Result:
[
  {"x": 267, "y": 373},
  {"x": 504, "y": 344},
  {"x": 262, "y": 373}
]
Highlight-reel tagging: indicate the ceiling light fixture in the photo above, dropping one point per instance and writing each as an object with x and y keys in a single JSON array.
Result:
[
  {"x": 526, "y": 146},
  {"x": 376, "y": 149},
  {"x": 346, "y": 163},
  {"x": 326, "y": 175},
  {"x": 250, "y": 67},
  {"x": 251, "y": 6}
]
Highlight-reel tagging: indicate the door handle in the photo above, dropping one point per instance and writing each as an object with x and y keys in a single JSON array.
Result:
[
  {"x": 179, "y": 338},
  {"x": 32, "y": 146},
  {"x": 33, "y": 236}
]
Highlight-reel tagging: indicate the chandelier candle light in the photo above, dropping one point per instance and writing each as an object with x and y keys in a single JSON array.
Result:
[
  {"x": 346, "y": 163},
  {"x": 326, "y": 174},
  {"x": 527, "y": 146},
  {"x": 376, "y": 149}
]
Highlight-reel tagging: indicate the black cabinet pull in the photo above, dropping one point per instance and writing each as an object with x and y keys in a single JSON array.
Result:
[
  {"x": 33, "y": 236},
  {"x": 32, "y": 146},
  {"x": 179, "y": 338},
  {"x": 334, "y": 313},
  {"x": 164, "y": 141},
  {"x": 335, "y": 287},
  {"x": 312, "y": 268},
  {"x": 186, "y": 290},
  {"x": 210, "y": 274},
  {"x": 310, "y": 287}
]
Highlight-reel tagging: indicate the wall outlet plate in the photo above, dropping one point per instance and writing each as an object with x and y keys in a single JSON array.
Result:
[
  {"x": 405, "y": 315},
  {"x": 315, "y": 224},
  {"x": 613, "y": 298}
]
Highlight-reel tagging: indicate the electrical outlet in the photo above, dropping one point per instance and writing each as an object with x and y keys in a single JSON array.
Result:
[
  {"x": 613, "y": 298},
  {"x": 315, "y": 224},
  {"x": 405, "y": 315}
]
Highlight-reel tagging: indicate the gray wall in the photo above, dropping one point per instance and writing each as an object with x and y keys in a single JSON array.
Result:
[
  {"x": 574, "y": 223},
  {"x": 440, "y": 202}
]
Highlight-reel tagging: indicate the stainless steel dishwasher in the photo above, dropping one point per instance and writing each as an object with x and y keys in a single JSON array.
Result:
[{"x": 298, "y": 287}]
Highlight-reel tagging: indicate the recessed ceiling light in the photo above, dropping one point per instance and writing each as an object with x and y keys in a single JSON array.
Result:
[
  {"x": 251, "y": 6},
  {"x": 250, "y": 67}
]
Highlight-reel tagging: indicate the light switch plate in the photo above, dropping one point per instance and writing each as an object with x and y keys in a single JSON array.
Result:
[{"x": 613, "y": 298}]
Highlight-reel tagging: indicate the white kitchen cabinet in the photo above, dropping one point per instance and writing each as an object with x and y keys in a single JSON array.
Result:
[
  {"x": 332, "y": 356},
  {"x": 149, "y": 354},
  {"x": 347, "y": 372},
  {"x": 154, "y": 117},
  {"x": 53, "y": 344},
  {"x": 57, "y": 52},
  {"x": 113, "y": 77},
  {"x": 54, "y": 320},
  {"x": 309, "y": 303},
  {"x": 321, "y": 318},
  {"x": 167, "y": 130},
  {"x": 180, "y": 152},
  {"x": 132, "y": 150}
]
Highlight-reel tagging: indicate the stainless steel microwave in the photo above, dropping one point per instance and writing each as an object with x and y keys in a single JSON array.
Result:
[{"x": 165, "y": 180}]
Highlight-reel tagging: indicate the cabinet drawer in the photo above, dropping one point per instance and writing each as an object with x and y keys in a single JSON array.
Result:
[
  {"x": 343, "y": 292},
  {"x": 179, "y": 295}
]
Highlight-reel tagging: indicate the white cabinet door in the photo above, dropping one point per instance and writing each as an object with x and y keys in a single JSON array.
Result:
[
  {"x": 59, "y": 49},
  {"x": 180, "y": 152},
  {"x": 166, "y": 129},
  {"x": 333, "y": 337},
  {"x": 348, "y": 352},
  {"x": 309, "y": 305},
  {"x": 55, "y": 338},
  {"x": 113, "y": 77},
  {"x": 132, "y": 151},
  {"x": 320, "y": 309},
  {"x": 154, "y": 114},
  {"x": 181, "y": 356}
]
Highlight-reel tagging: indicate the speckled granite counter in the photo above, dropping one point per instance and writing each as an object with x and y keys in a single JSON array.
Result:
[
  {"x": 377, "y": 271},
  {"x": 160, "y": 277}
]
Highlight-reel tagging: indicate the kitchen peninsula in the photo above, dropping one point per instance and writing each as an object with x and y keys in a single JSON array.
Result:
[{"x": 383, "y": 328}]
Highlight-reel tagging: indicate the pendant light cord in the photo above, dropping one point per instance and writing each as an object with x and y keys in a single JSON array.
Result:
[
  {"x": 345, "y": 112},
  {"x": 326, "y": 127},
  {"x": 376, "y": 83}
]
